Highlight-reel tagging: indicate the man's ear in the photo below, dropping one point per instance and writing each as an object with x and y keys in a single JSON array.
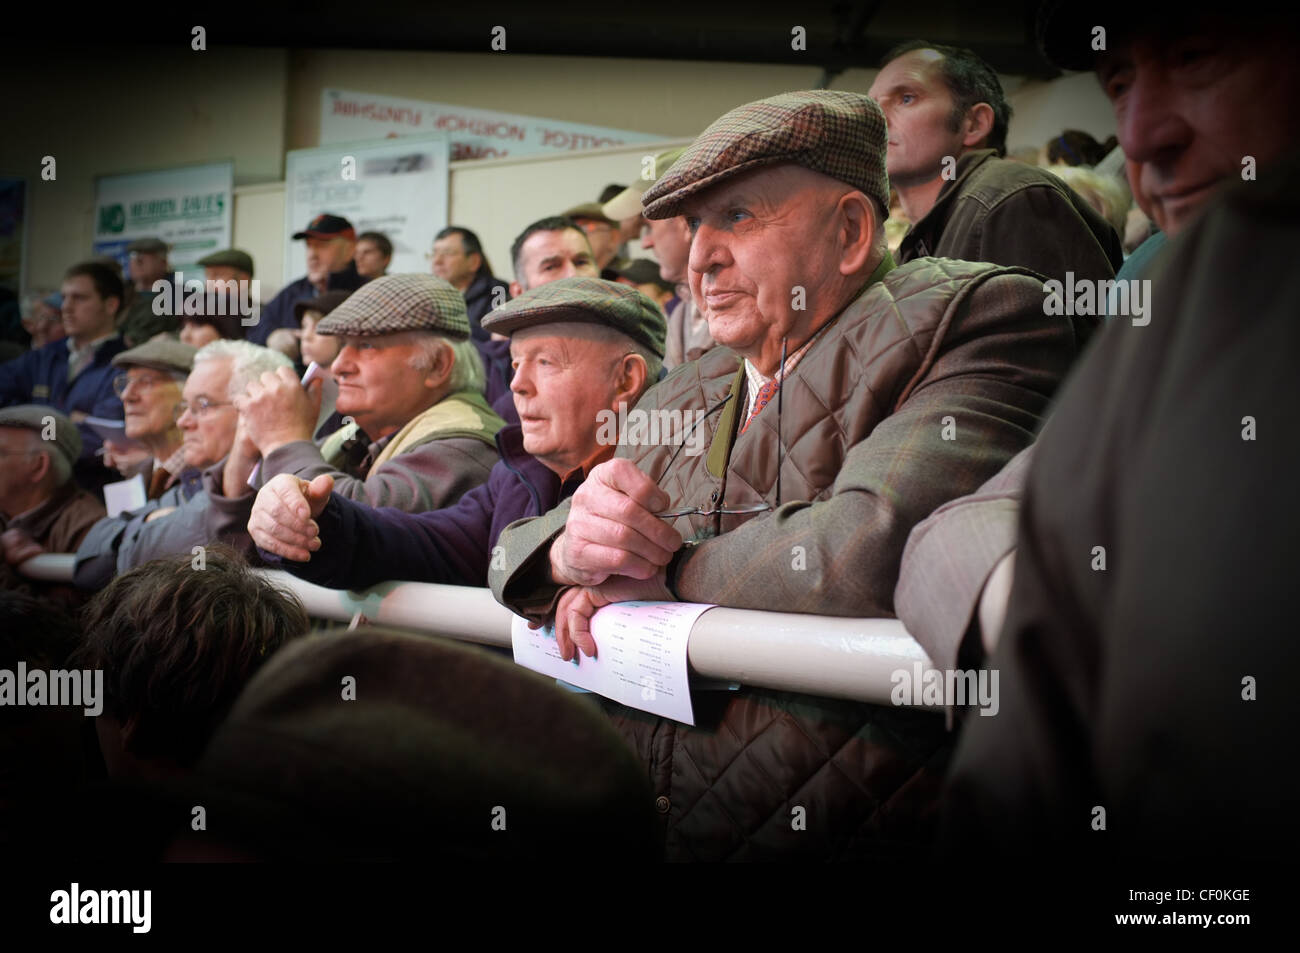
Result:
[
  {"x": 632, "y": 376},
  {"x": 857, "y": 231},
  {"x": 116, "y": 307},
  {"x": 516, "y": 289},
  {"x": 479, "y": 263},
  {"x": 977, "y": 126},
  {"x": 436, "y": 377},
  {"x": 41, "y": 466}
]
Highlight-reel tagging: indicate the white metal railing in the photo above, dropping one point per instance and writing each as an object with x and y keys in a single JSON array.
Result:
[{"x": 817, "y": 655}]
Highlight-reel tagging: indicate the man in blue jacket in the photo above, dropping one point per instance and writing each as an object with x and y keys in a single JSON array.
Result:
[
  {"x": 75, "y": 374},
  {"x": 584, "y": 351}
]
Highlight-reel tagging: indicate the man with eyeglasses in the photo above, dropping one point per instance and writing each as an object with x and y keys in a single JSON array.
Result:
[
  {"x": 149, "y": 387},
  {"x": 582, "y": 348},
  {"x": 847, "y": 400},
  {"x": 181, "y": 517}
]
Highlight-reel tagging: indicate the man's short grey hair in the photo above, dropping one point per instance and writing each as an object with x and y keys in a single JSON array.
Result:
[
  {"x": 250, "y": 361},
  {"x": 467, "y": 371}
]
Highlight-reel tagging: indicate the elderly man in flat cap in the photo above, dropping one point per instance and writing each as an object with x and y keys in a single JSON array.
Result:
[
  {"x": 41, "y": 508},
  {"x": 584, "y": 350},
  {"x": 410, "y": 378},
  {"x": 149, "y": 386},
  {"x": 209, "y": 426},
  {"x": 849, "y": 399}
]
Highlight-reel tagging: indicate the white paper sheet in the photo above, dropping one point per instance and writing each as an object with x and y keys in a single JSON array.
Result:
[
  {"x": 640, "y": 655},
  {"x": 114, "y": 430},
  {"x": 125, "y": 495}
]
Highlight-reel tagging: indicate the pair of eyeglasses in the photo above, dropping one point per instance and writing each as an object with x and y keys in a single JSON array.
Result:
[
  {"x": 199, "y": 407},
  {"x": 124, "y": 381},
  {"x": 716, "y": 511}
]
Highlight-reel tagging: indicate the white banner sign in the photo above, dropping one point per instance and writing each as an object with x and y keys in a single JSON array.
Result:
[
  {"x": 188, "y": 208},
  {"x": 475, "y": 133},
  {"x": 398, "y": 187}
]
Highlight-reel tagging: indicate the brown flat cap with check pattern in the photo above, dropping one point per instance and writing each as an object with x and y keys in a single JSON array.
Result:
[
  {"x": 400, "y": 303},
  {"x": 839, "y": 134},
  {"x": 585, "y": 300}
]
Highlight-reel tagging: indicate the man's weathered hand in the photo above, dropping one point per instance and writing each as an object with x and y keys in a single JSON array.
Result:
[
  {"x": 19, "y": 546},
  {"x": 577, "y": 605},
  {"x": 612, "y": 529},
  {"x": 284, "y": 514},
  {"x": 277, "y": 410}
]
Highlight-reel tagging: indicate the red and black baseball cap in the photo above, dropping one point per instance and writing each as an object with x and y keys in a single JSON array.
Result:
[{"x": 328, "y": 226}]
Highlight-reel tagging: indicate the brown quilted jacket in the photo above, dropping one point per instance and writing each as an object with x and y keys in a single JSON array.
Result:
[{"x": 923, "y": 388}]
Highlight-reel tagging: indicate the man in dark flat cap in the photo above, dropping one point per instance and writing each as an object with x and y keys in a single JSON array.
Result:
[
  {"x": 585, "y": 350},
  {"x": 41, "y": 508},
  {"x": 148, "y": 265},
  {"x": 1155, "y": 551},
  {"x": 848, "y": 399}
]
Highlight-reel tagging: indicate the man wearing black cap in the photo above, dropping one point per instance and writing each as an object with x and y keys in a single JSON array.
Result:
[
  {"x": 583, "y": 347},
  {"x": 331, "y": 243}
]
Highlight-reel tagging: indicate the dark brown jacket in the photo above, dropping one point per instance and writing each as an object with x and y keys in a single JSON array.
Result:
[
  {"x": 1009, "y": 213},
  {"x": 935, "y": 349},
  {"x": 59, "y": 524}
]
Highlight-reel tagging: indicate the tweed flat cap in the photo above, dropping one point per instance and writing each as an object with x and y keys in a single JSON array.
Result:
[
  {"x": 149, "y": 246},
  {"x": 836, "y": 133},
  {"x": 628, "y": 202},
  {"x": 588, "y": 301},
  {"x": 229, "y": 258},
  {"x": 37, "y": 417},
  {"x": 160, "y": 353},
  {"x": 400, "y": 303}
]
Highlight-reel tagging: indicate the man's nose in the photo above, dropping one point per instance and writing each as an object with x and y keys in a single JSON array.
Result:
[
  {"x": 1152, "y": 127},
  {"x": 708, "y": 250}
]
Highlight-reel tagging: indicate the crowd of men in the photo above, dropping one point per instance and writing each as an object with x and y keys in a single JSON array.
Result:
[{"x": 871, "y": 403}]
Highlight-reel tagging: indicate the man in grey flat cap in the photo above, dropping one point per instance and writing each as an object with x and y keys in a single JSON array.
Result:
[
  {"x": 149, "y": 385},
  {"x": 849, "y": 398},
  {"x": 41, "y": 508},
  {"x": 585, "y": 350}
]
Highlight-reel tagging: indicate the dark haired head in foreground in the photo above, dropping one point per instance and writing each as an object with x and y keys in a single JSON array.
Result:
[{"x": 177, "y": 640}]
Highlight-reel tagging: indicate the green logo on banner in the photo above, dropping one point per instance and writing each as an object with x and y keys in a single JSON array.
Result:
[{"x": 112, "y": 218}]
